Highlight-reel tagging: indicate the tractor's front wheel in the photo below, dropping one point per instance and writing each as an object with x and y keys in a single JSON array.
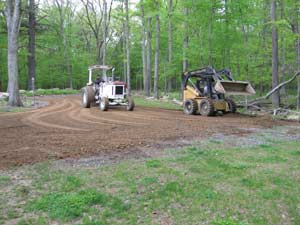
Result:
[
  {"x": 88, "y": 96},
  {"x": 231, "y": 105},
  {"x": 104, "y": 104},
  {"x": 190, "y": 107},
  {"x": 207, "y": 108},
  {"x": 131, "y": 104}
]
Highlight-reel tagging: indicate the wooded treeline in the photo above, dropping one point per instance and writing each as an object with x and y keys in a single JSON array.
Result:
[{"x": 59, "y": 39}]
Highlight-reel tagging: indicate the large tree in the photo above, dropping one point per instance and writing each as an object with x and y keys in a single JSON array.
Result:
[
  {"x": 31, "y": 43},
  {"x": 13, "y": 19},
  {"x": 62, "y": 7},
  {"x": 275, "y": 77},
  {"x": 127, "y": 46},
  {"x": 156, "y": 61}
]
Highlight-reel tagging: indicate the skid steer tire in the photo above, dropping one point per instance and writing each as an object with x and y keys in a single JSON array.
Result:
[
  {"x": 190, "y": 107},
  {"x": 104, "y": 104},
  {"x": 207, "y": 108},
  {"x": 88, "y": 96},
  {"x": 231, "y": 105},
  {"x": 130, "y": 105}
]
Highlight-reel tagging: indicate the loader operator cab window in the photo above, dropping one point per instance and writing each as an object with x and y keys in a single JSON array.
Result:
[{"x": 200, "y": 86}]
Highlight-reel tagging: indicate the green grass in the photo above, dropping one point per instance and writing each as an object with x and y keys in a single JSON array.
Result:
[
  {"x": 4, "y": 180},
  {"x": 203, "y": 183},
  {"x": 163, "y": 104},
  {"x": 54, "y": 91},
  {"x": 69, "y": 205}
]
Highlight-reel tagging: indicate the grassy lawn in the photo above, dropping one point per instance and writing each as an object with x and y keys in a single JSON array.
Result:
[
  {"x": 54, "y": 91},
  {"x": 207, "y": 183},
  {"x": 163, "y": 104}
]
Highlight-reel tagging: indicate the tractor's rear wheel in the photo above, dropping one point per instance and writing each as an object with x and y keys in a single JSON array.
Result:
[
  {"x": 131, "y": 104},
  {"x": 104, "y": 104},
  {"x": 207, "y": 108},
  {"x": 190, "y": 107},
  {"x": 231, "y": 105},
  {"x": 88, "y": 96}
]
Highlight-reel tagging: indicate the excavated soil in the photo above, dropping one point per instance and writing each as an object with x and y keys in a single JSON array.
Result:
[{"x": 64, "y": 129}]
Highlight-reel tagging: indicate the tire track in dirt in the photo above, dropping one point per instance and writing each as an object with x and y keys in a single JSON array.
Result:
[
  {"x": 154, "y": 116},
  {"x": 114, "y": 121},
  {"x": 64, "y": 129},
  {"x": 103, "y": 117},
  {"x": 38, "y": 118}
]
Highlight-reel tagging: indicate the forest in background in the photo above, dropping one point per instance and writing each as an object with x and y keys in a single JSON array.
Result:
[{"x": 167, "y": 37}]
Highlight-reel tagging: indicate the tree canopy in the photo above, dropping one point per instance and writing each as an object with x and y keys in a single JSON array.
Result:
[{"x": 221, "y": 33}]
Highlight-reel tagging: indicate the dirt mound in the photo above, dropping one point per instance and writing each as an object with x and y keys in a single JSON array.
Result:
[{"x": 64, "y": 129}]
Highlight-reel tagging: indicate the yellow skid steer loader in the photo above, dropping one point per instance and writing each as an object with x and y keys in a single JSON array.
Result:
[{"x": 204, "y": 91}]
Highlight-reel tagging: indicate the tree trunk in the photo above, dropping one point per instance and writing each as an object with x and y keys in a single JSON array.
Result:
[
  {"x": 144, "y": 53},
  {"x": 104, "y": 37},
  {"x": 156, "y": 66},
  {"x": 282, "y": 60},
  {"x": 210, "y": 33},
  {"x": 168, "y": 85},
  {"x": 124, "y": 45},
  {"x": 148, "y": 79},
  {"x": 62, "y": 13},
  {"x": 13, "y": 18},
  {"x": 275, "y": 80},
  {"x": 227, "y": 41},
  {"x": 31, "y": 44},
  {"x": 98, "y": 46},
  {"x": 297, "y": 47},
  {"x": 295, "y": 29},
  {"x": 127, "y": 47},
  {"x": 186, "y": 40}
]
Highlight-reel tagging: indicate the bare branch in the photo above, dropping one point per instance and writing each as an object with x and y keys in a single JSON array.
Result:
[{"x": 278, "y": 87}]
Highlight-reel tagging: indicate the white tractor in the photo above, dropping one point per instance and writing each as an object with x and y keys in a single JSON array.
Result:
[{"x": 106, "y": 91}]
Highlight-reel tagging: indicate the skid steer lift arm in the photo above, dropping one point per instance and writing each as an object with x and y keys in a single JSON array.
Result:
[{"x": 220, "y": 81}]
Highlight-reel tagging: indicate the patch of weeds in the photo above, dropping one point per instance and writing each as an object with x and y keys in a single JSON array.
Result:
[
  {"x": 271, "y": 194},
  {"x": 279, "y": 181},
  {"x": 227, "y": 222},
  {"x": 224, "y": 166},
  {"x": 149, "y": 180},
  {"x": 65, "y": 206},
  {"x": 22, "y": 191},
  {"x": 12, "y": 214},
  {"x": 209, "y": 194},
  {"x": 252, "y": 182},
  {"x": 197, "y": 152},
  {"x": 172, "y": 188},
  {"x": 214, "y": 141},
  {"x": 88, "y": 221},
  {"x": 54, "y": 91},
  {"x": 153, "y": 163},
  {"x": 196, "y": 169},
  {"x": 295, "y": 152},
  {"x": 272, "y": 159},
  {"x": 140, "y": 101},
  {"x": 4, "y": 180},
  {"x": 241, "y": 165},
  {"x": 267, "y": 147},
  {"x": 32, "y": 221},
  {"x": 71, "y": 183}
]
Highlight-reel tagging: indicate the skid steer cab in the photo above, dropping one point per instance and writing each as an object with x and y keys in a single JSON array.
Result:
[
  {"x": 105, "y": 90},
  {"x": 204, "y": 91}
]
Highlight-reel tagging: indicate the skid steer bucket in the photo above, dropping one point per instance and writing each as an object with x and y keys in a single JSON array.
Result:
[{"x": 234, "y": 87}]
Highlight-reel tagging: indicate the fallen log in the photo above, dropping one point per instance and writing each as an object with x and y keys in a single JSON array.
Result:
[{"x": 277, "y": 88}]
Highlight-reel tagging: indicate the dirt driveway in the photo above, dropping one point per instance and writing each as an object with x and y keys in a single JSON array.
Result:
[{"x": 64, "y": 129}]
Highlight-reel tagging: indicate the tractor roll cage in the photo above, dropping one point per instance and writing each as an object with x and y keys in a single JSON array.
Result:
[
  {"x": 207, "y": 73},
  {"x": 100, "y": 67}
]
